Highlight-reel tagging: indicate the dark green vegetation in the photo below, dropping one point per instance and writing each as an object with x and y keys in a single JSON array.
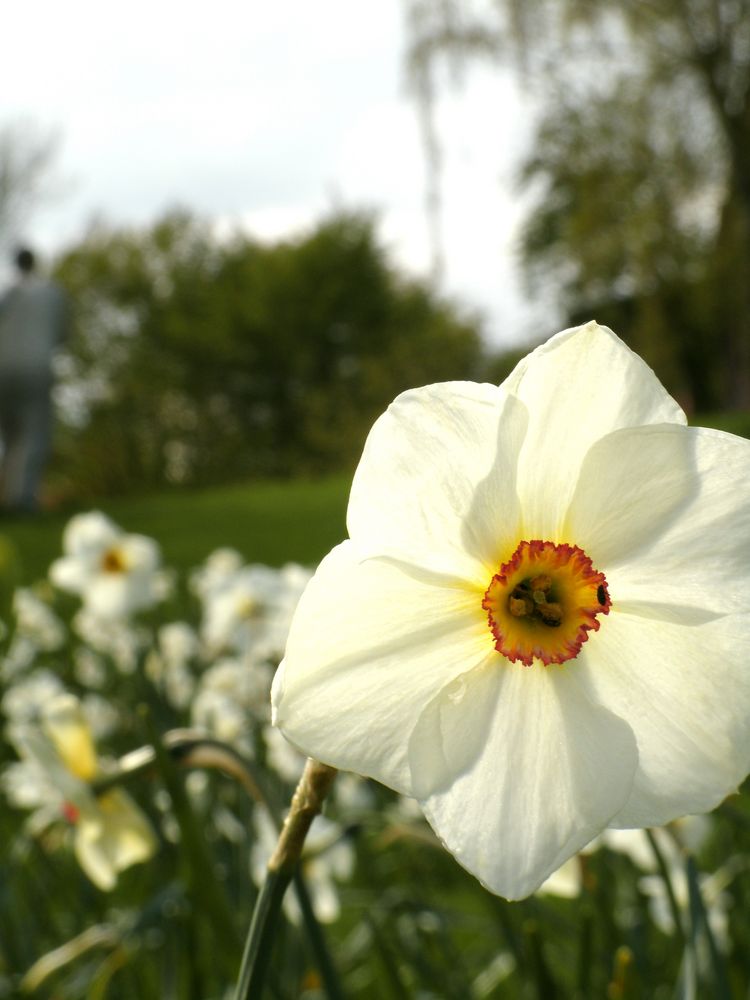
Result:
[
  {"x": 268, "y": 522},
  {"x": 196, "y": 360},
  {"x": 412, "y": 924},
  {"x": 639, "y": 167}
]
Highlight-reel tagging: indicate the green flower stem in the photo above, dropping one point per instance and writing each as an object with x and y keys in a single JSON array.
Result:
[
  {"x": 699, "y": 921},
  {"x": 307, "y": 801},
  {"x": 189, "y": 749},
  {"x": 199, "y": 869},
  {"x": 327, "y": 970},
  {"x": 669, "y": 888}
]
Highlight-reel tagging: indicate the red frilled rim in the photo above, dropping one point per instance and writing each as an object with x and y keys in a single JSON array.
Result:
[{"x": 544, "y": 601}]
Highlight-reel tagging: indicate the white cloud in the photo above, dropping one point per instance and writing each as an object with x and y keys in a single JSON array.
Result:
[{"x": 263, "y": 115}]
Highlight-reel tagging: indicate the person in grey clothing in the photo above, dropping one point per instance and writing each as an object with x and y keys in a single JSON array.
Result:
[{"x": 33, "y": 323}]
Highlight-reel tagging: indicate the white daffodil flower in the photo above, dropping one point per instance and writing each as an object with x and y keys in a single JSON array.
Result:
[
  {"x": 281, "y": 756},
  {"x": 215, "y": 573},
  {"x": 115, "y": 574},
  {"x": 36, "y": 620},
  {"x": 232, "y": 697},
  {"x": 54, "y": 777},
  {"x": 119, "y": 639},
  {"x": 538, "y": 627},
  {"x": 237, "y": 615},
  {"x": 169, "y": 664},
  {"x": 24, "y": 700}
]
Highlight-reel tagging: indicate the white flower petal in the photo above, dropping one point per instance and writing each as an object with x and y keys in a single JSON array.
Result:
[
  {"x": 566, "y": 882},
  {"x": 70, "y": 573},
  {"x": 436, "y": 482},
  {"x": 552, "y": 770},
  {"x": 108, "y": 596},
  {"x": 579, "y": 386},
  {"x": 66, "y": 725},
  {"x": 89, "y": 533},
  {"x": 702, "y": 552},
  {"x": 442, "y": 745},
  {"x": 368, "y": 648},
  {"x": 688, "y": 705},
  {"x": 112, "y": 837},
  {"x": 34, "y": 746},
  {"x": 139, "y": 553},
  {"x": 632, "y": 484}
]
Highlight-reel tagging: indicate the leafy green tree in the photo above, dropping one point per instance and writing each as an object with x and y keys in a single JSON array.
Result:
[
  {"x": 199, "y": 360},
  {"x": 641, "y": 166}
]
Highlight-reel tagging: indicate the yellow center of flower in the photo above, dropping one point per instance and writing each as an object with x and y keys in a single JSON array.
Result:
[
  {"x": 113, "y": 561},
  {"x": 544, "y": 601}
]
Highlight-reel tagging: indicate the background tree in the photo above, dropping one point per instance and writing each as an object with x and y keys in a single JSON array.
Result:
[
  {"x": 198, "y": 360},
  {"x": 641, "y": 166},
  {"x": 26, "y": 159}
]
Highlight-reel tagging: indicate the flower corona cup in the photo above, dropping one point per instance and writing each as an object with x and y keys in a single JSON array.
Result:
[
  {"x": 537, "y": 626},
  {"x": 544, "y": 601}
]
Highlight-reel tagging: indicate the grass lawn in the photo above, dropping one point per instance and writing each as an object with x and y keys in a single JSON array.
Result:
[{"x": 268, "y": 522}]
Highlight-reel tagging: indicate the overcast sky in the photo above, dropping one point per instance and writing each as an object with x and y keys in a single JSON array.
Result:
[{"x": 267, "y": 115}]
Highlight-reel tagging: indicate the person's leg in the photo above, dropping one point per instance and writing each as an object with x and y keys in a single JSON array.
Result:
[
  {"x": 35, "y": 434},
  {"x": 26, "y": 412},
  {"x": 12, "y": 445}
]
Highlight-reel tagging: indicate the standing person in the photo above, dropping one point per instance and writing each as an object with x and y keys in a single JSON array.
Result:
[{"x": 33, "y": 322}]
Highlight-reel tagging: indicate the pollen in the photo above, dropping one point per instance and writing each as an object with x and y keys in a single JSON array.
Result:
[
  {"x": 113, "y": 561},
  {"x": 544, "y": 601}
]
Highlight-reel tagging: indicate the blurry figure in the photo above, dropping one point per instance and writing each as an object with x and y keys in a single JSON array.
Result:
[{"x": 33, "y": 322}]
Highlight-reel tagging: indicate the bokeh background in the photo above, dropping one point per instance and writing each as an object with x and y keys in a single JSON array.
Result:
[{"x": 272, "y": 218}]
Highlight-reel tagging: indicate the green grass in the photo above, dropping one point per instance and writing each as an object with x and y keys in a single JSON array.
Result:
[{"x": 268, "y": 522}]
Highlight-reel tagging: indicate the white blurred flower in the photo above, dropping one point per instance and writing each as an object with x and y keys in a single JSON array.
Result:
[
  {"x": 285, "y": 759},
  {"x": 291, "y": 582},
  {"x": 89, "y": 667},
  {"x": 37, "y": 621},
  {"x": 178, "y": 642},
  {"x": 19, "y": 656},
  {"x": 114, "y": 573},
  {"x": 54, "y": 777},
  {"x": 232, "y": 699},
  {"x": 566, "y": 882},
  {"x": 102, "y": 716},
  {"x": 37, "y": 630},
  {"x": 117, "y": 639},
  {"x": 215, "y": 573},
  {"x": 169, "y": 665},
  {"x": 716, "y": 901},
  {"x": 327, "y": 858},
  {"x": 237, "y": 614},
  {"x": 688, "y": 831},
  {"x": 353, "y": 794},
  {"x": 24, "y": 700},
  {"x": 539, "y": 623}
]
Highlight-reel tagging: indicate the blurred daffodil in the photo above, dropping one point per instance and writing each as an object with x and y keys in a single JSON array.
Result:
[
  {"x": 114, "y": 573},
  {"x": 538, "y": 626},
  {"x": 54, "y": 777}
]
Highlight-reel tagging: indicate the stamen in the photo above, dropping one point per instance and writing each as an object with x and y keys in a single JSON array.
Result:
[
  {"x": 113, "y": 562},
  {"x": 544, "y": 601}
]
